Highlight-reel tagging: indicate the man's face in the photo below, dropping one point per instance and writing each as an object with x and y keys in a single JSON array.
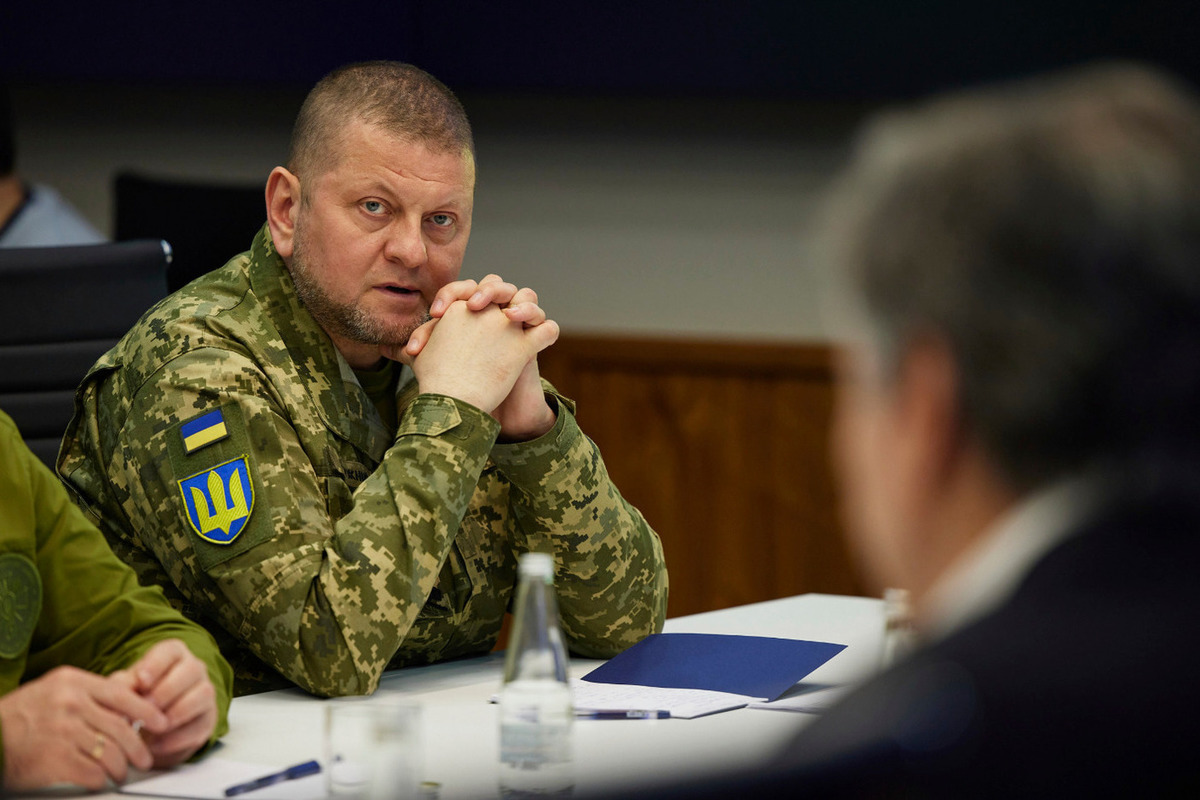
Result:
[
  {"x": 870, "y": 464},
  {"x": 378, "y": 232}
]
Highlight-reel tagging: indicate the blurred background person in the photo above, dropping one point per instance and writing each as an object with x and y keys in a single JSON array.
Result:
[
  {"x": 1016, "y": 441},
  {"x": 33, "y": 215}
]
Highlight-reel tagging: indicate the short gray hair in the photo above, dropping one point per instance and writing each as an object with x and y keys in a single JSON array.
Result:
[
  {"x": 1049, "y": 233},
  {"x": 402, "y": 99}
]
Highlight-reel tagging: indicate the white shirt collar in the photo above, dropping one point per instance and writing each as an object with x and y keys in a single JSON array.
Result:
[{"x": 989, "y": 571}]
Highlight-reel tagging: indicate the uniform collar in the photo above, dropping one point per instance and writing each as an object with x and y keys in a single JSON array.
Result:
[{"x": 328, "y": 379}]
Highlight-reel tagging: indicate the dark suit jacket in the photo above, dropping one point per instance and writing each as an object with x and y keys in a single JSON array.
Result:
[{"x": 1085, "y": 683}]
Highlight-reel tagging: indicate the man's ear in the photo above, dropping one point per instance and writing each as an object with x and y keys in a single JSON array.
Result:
[
  {"x": 930, "y": 402},
  {"x": 283, "y": 204}
]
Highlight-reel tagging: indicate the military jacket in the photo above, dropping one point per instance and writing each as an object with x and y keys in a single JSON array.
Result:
[
  {"x": 230, "y": 456},
  {"x": 65, "y": 599}
]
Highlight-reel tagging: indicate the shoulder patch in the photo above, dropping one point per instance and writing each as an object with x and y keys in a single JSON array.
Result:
[
  {"x": 203, "y": 430},
  {"x": 20, "y": 603},
  {"x": 219, "y": 500}
]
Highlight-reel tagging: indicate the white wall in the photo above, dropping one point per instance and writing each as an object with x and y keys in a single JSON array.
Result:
[{"x": 671, "y": 217}]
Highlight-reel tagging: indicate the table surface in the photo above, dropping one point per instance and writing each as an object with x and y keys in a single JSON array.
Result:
[{"x": 461, "y": 728}]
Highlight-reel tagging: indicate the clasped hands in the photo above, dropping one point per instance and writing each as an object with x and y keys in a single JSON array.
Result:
[
  {"x": 73, "y": 726},
  {"x": 481, "y": 346}
]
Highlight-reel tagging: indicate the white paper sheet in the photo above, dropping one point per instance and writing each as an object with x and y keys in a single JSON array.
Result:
[
  {"x": 682, "y": 703},
  {"x": 810, "y": 699}
]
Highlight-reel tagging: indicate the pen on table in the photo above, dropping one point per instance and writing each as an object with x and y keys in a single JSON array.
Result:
[
  {"x": 291, "y": 773},
  {"x": 625, "y": 713}
]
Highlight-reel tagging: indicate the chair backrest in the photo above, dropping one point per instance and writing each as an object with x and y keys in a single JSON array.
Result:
[
  {"x": 206, "y": 223},
  {"x": 61, "y": 308}
]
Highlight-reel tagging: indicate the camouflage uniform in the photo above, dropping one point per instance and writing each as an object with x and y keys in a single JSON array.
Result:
[
  {"x": 65, "y": 599},
  {"x": 362, "y": 551}
]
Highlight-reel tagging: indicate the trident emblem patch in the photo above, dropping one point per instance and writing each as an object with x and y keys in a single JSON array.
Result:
[{"x": 219, "y": 501}]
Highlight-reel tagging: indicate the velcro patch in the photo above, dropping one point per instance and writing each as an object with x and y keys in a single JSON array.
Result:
[
  {"x": 219, "y": 500},
  {"x": 20, "y": 603},
  {"x": 203, "y": 430}
]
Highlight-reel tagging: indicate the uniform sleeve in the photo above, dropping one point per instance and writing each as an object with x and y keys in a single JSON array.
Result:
[
  {"x": 321, "y": 583},
  {"x": 94, "y": 614},
  {"x": 610, "y": 574}
]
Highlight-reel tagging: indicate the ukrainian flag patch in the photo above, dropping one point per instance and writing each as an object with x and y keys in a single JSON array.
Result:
[
  {"x": 203, "y": 431},
  {"x": 219, "y": 500}
]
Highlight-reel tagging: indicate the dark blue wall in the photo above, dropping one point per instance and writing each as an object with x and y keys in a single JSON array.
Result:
[{"x": 818, "y": 49}]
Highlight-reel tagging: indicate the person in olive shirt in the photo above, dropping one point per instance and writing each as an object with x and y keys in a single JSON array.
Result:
[{"x": 97, "y": 673}]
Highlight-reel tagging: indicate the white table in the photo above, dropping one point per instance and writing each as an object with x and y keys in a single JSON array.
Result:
[{"x": 461, "y": 727}]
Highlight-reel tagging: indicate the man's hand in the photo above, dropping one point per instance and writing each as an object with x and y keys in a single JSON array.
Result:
[
  {"x": 177, "y": 683},
  {"x": 522, "y": 409},
  {"x": 71, "y": 726},
  {"x": 519, "y": 305},
  {"x": 478, "y": 356}
]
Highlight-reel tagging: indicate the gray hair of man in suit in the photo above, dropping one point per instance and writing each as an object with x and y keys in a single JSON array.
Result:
[{"x": 1028, "y": 255}]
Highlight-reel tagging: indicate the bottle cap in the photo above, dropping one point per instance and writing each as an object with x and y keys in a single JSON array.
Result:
[{"x": 536, "y": 565}]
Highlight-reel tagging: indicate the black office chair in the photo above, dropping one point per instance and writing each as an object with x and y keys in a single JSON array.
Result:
[
  {"x": 206, "y": 223},
  {"x": 61, "y": 308}
]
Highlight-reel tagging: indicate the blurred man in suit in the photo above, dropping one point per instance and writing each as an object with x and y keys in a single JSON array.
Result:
[{"x": 1017, "y": 442}]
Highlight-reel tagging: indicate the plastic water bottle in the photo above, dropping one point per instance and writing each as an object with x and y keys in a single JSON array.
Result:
[{"x": 536, "y": 712}]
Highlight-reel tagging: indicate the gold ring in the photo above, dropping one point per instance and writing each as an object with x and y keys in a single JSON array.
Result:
[{"x": 98, "y": 748}]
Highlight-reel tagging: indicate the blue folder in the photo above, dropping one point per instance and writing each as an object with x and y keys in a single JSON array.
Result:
[{"x": 755, "y": 666}]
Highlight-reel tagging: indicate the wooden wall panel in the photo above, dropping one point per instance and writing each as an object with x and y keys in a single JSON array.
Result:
[{"x": 724, "y": 448}]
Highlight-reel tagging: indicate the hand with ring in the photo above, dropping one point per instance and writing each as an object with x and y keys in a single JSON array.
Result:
[
  {"x": 97, "y": 751},
  {"x": 71, "y": 726}
]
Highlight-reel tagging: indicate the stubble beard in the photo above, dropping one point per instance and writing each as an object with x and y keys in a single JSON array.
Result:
[{"x": 344, "y": 320}]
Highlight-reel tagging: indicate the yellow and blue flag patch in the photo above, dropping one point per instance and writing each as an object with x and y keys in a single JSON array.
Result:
[
  {"x": 202, "y": 431},
  {"x": 219, "y": 500}
]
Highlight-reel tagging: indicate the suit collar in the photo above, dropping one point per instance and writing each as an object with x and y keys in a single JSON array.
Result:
[{"x": 985, "y": 576}]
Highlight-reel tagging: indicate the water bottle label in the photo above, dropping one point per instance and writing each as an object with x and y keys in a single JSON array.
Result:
[{"x": 529, "y": 745}]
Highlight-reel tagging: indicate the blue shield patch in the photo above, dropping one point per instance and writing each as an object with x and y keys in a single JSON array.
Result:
[{"x": 219, "y": 500}]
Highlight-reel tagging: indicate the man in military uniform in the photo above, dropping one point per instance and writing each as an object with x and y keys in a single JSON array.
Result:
[
  {"x": 331, "y": 451},
  {"x": 97, "y": 673}
]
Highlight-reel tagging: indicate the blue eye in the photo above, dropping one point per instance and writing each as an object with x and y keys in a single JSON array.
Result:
[
  {"x": 373, "y": 207},
  {"x": 442, "y": 220}
]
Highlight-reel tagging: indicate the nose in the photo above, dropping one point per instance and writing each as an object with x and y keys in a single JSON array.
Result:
[{"x": 405, "y": 244}]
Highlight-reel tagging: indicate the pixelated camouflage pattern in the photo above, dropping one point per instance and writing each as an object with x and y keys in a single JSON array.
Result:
[{"x": 364, "y": 551}]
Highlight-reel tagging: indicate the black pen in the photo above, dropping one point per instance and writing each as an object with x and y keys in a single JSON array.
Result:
[
  {"x": 291, "y": 773},
  {"x": 627, "y": 713}
]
